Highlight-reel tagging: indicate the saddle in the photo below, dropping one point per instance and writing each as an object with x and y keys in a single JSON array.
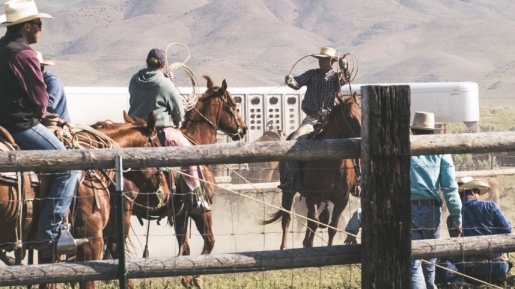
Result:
[
  {"x": 195, "y": 196},
  {"x": 31, "y": 186}
]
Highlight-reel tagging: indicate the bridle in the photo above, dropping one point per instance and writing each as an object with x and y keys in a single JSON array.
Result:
[
  {"x": 155, "y": 142},
  {"x": 340, "y": 130},
  {"x": 357, "y": 181},
  {"x": 231, "y": 111}
]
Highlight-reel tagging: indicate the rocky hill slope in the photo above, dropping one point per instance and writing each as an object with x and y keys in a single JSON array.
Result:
[{"x": 256, "y": 43}]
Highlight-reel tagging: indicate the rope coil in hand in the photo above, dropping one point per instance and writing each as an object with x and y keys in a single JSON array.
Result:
[
  {"x": 190, "y": 100},
  {"x": 346, "y": 77}
]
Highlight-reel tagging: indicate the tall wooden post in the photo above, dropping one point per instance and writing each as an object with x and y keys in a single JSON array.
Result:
[{"x": 386, "y": 205}]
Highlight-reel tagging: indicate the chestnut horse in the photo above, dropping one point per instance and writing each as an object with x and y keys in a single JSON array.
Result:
[
  {"x": 90, "y": 210},
  {"x": 215, "y": 110},
  {"x": 327, "y": 180},
  {"x": 263, "y": 172}
]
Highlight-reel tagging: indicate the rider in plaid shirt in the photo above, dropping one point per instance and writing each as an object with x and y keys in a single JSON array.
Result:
[
  {"x": 322, "y": 84},
  {"x": 321, "y": 89}
]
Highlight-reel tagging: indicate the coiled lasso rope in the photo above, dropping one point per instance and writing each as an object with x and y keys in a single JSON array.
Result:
[
  {"x": 190, "y": 100},
  {"x": 352, "y": 67}
]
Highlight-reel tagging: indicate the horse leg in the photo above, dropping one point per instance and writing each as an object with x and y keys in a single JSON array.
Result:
[
  {"x": 339, "y": 206},
  {"x": 90, "y": 251},
  {"x": 286, "y": 203},
  {"x": 204, "y": 224},
  {"x": 48, "y": 260},
  {"x": 181, "y": 232},
  {"x": 312, "y": 205}
]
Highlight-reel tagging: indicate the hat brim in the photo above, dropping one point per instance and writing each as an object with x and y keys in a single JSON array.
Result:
[
  {"x": 426, "y": 128},
  {"x": 322, "y": 56},
  {"x": 482, "y": 190},
  {"x": 25, "y": 19},
  {"x": 481, "y": 185},
  {"x": 47, "y": 62}
]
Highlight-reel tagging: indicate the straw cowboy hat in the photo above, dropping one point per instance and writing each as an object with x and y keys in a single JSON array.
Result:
[
  {"x": 44, "y": 61},
  {"x": 481, "y": 185},
  {"x": 424, "y": 120},
  {"x": 464, "y": 180},
  {"x": 325, "y": 52},
  {"x": 19, "y": 11}
]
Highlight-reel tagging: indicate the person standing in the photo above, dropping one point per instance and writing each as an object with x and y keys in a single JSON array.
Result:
[
  {"x": 428, "y": 174},
  {"x": 353, "y": 227},
  {"x": 24, "y": 105},
  {"x": 56, "y": 96},
  {"x": 322, "y": 86}
]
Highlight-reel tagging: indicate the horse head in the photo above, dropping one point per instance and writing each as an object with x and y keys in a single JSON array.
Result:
[
  {"x": 218, "y": 108},
  {"x": 136, "y": 132},
  {"x": 344, "y": 120}
]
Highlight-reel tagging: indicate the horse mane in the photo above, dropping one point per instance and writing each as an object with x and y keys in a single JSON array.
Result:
[
  {"x": 103, "y": 124},
  {"x": 350, "y": 108}
]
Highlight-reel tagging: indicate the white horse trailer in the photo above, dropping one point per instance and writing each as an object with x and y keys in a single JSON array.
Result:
[
  {"x": 449, "y": 101},
  {"x": 279, "y": 108}
]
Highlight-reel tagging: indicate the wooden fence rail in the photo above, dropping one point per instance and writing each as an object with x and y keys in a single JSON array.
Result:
[
  {"x": 231, "y": 153},
  {"x": 385, "y": 148},
  {"x": 241, "y": 262}
]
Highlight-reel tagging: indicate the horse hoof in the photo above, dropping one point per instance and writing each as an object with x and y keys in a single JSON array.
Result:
[{"x": 186, "y": 281}]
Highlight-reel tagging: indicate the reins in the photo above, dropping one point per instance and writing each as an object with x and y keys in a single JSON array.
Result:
[{"x": 219, "y": 115}]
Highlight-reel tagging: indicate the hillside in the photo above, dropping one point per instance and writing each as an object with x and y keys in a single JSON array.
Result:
[{"x": 256, "y": 43}]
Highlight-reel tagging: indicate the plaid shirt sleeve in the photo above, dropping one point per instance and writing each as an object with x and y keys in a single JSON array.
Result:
[{"x": 303, "y": 79}]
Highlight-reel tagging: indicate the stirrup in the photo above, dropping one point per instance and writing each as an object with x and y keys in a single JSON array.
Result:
[{"x": 66, "y": 243}]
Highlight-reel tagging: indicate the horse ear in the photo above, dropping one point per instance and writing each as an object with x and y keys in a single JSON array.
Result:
[
  {"x": 151, "y": 121},
  {"x": 355, "y": 97},
  {"x": 224, "y": 86},
  {"x": 210, "y": 83},
  {"x": 339, "y": 97},
  {"x": 127, "y": 118}
]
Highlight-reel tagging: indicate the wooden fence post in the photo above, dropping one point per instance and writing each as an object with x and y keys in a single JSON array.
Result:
[{"x": 386, "y": 205}]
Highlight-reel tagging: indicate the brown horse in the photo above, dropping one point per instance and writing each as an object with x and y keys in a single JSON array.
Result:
[
  {"x": 90, "y": 210},
  {"x": 327, "y": 180},
  {"x": 263, "y": 171},
  {"x": 215, "y": 110}
]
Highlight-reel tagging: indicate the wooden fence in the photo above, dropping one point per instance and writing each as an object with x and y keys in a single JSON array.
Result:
[
  {"x": 239, "y": 262},
  {"x": 385, "y": 148}
]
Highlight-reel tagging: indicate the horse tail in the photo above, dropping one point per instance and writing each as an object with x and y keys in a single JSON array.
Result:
[
  {"x": 273, "y": 218},
  {"x": 287, "y": 202},
  {"x": 324, "y": 217}
]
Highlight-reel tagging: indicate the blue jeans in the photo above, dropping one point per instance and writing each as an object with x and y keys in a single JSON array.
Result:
[
  {"x": 425, "y": 224},
  {"x": 492, "y": 272},
  {"x": 63, "y": 184}
]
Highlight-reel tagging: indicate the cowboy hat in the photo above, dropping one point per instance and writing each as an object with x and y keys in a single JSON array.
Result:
[
  {"x": 481, "y": 185},
  {"x": 44, "y": 61},
  {"x": 19, "y": 11},
  {"x": 325, "y": 52},
  {"x": 464, "y": 180},
  {"x": 424, "y": 121}
]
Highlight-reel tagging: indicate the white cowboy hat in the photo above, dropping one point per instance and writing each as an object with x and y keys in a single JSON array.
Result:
[
  {"x": 464, "y": 180},
  {"x": 325, "y": 52},
  {"x": 481, "y": 185},
  {"x": 19, "y": 11},
  {"x": 424, "y": 120},
  {"x": 44, "y": 61}
]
